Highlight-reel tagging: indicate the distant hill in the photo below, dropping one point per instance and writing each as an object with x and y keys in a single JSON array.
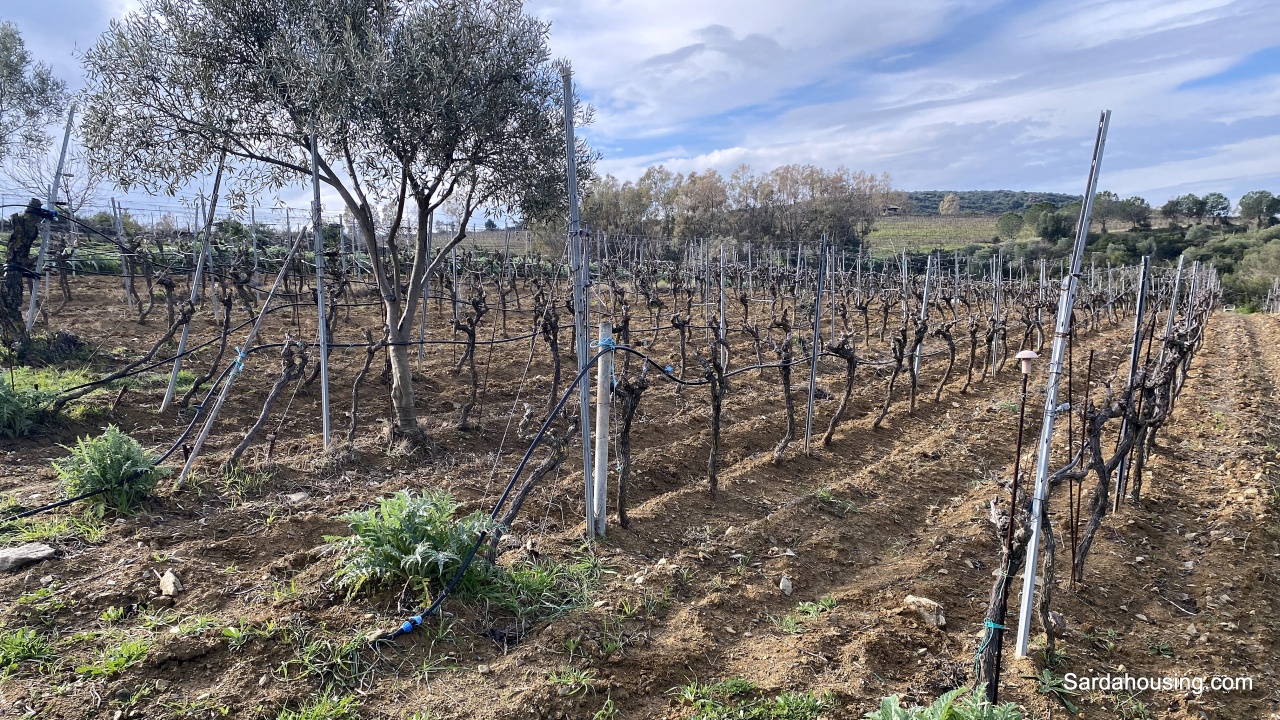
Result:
[{"x": 984, "y": 202}]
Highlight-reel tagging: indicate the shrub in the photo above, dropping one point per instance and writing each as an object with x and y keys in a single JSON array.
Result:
[
  {"x": 418, "y": 540},
  {"x": 114, "y": 463},
  {"x": 20, "y": 410},
  {"x": 955, "y": 705},
  {"x": 52, "y": 348},
  {"x": 407, "y": 538},
  {"x": 1199, "y": 234}
]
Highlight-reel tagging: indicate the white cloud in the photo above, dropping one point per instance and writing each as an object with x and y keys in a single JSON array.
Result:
[
  {"x": 1075, "y": 26},
  {"x": 651, "y": 66},
  {"x": 717, "y": 85}
]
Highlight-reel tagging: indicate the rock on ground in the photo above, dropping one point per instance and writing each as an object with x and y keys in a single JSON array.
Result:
[
  {"x": 928, "y": 609},
  {"x": 13, "y": 558}
]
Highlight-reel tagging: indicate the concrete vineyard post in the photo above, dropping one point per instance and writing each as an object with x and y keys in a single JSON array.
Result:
[{"x": 604, "y": 394}]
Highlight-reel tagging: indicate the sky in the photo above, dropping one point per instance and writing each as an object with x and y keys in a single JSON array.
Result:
[{"x": 940, "y": 94}]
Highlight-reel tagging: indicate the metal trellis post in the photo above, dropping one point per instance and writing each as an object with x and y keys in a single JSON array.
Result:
[
  {"x": 813, "y": 354},
  {"x": 322, "y": 332},
  {"x": 1123, "y": 471},
  {"x": 579, "y": 267},
  {"x": 195, "y": 291},
  {"x": 44, "y": 234},
  {"x": 1062, "y": 330}
]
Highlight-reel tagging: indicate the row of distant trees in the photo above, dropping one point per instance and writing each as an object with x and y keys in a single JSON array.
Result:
[
  {"x": 1052, "y": 222},
  {"x": 1259, "y": 206},
  {"x": 979, "y": 202},
  {"x": 794, "y": 203},
  {"x": 786, "y": 204}
]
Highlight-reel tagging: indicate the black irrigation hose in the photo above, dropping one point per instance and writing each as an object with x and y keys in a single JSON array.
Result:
[
  {"x": 156, "y": 363},
  {"x": 136, "y": 473},
  {"x": 151, "y": 365},
  {"x": 213, "y": 273},
  {"x": 412, "y": 343}
]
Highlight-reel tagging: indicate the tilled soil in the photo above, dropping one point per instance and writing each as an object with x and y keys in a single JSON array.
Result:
[{"x": 1183, "y": 583}]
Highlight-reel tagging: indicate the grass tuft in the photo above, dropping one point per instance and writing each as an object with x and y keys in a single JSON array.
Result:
[
  {"x": 21, "y": 409},
  {"x": 21, "y": 645},
  {"x": 740, "y": 698},
  {"x": 113, "y": 659},
  {"x": 327, "y": 707}
]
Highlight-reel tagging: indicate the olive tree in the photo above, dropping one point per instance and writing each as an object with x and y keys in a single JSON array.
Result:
[
  {"x": 1217, "y": 206},
  {"x": 1260, "y": 206},
  {"x": 30, "y": 97},
  {"x": 1055, "y": 226},
  {"x": 1192, "y": 206},
  {"x": 412, "y": 103},
  {"x": 1106, "y": 207},
  {"x": 1136, "y": 211}
]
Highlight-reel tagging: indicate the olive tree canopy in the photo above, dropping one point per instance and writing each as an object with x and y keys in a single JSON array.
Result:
[
  {"x": 1259, "y": 205},
  {"x": 30, "y": 97},
  {"x": 412, "y": 102}
]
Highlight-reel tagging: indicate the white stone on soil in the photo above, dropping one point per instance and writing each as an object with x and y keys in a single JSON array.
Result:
[{"x": 13, "y": 558}]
